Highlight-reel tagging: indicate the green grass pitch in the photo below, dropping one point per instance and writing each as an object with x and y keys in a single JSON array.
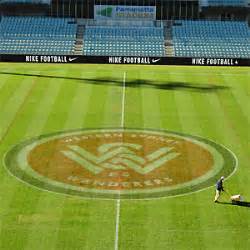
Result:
[{"x": 213, "y": 103}]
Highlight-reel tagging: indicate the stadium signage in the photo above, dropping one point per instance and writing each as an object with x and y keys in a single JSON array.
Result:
[
  {"x": 118, "y": 12},
  {"x": 131, "y": 60},
  {"x": 25, "y": 1},
  {"x": 120, "y": 163},
  {"x": 215, "y": 61},
  {"x": 125, "y": 60},
  {"x": 48, "y": 59}
]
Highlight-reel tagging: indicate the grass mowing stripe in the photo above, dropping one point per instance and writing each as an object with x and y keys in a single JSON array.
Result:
[
  {"x": 241, "y": 97},
  {"x": 88, "y": 216},
  {"x": 113, "y": 107},
  {"x": 46, "y": 232},
  {"x": 79, "y": 107},
  {"x": 190, "y": 124},
  {"x": 36, "y": 124},
  {"x": 10, "y": 191},
  {"x": 8, "y": 86},
  {"x": 133, "y": 104},
  {"x": 39, "y": 95},
  {"x": 134, "y": 118},
  {"x": 237, "y": 120},
  {"x": 13, "y": 107},
  {"x": 79, "y": 103},
  {"x": 168, "y": 111},
  {"x": 203, "y": 115},
  {"x": 155, "y": 112},
  {"x": 43, "y": 108},
  {"x": 158, "y": 112},
  {"x": 96, "y": 108},
  {"x": 73, "y": 121},
  {"x": 151, "y": 110},
  {"x": 212, "y": 108},
  {"x": 187, "y": 115},
  {"x": 142, "y": 216},
  {"x": 83, "y": 100},
  {"x": 174, "y": 216},
  {"x": 203, "y": 118},
  {"x": 3, "y": 81},
  {"x": 168, "y": 107},
  {"x": 236, "y": 116}
]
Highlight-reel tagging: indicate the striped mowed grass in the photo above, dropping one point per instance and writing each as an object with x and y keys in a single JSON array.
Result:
[{"x": 38, "y": 99}]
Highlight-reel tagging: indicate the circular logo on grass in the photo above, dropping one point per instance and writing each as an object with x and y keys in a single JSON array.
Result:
[{"x": 120, "y": 163}]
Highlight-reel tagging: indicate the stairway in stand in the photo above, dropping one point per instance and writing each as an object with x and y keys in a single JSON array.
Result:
[
  {"x": 79, "y": 40},
  {"x": 168, "y": 35}
]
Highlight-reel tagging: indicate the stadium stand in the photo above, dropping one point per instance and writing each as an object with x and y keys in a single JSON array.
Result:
[
  {"x": 211, "y": 39},
  {"x": 37, "y": 35},
  {"x": 123, "y": 41},
  {"x": 188, "y": 38}
]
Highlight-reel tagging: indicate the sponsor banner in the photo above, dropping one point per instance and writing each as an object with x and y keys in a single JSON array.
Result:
[
  {"x": 26, "y": 1},
  {"x": 125, "y": 60},
  {"x": 108, "y": 12}
]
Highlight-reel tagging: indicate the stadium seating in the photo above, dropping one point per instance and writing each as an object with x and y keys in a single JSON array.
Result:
[
  {"x": 211, "y": 39},
  {"x": 37, "y": 35},
  {"x": 123, "y": 41},
  {"x": 46, "y": 35}
]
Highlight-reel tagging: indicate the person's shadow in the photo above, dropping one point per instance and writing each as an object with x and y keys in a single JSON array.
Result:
[{"x": 236, "y": 203}]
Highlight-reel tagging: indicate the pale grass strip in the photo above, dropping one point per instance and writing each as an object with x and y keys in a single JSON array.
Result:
[{"x": 11, "y": 108}]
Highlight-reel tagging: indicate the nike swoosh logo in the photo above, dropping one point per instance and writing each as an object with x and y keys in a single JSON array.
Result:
[
  {"x": 72, "y": 59},
  {"x": 155, "y": 60}
]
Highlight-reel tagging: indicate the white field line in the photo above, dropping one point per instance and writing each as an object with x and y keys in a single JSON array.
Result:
[
  {"x": 118, "y": 208},
  {"x": 118, "y": 202}
]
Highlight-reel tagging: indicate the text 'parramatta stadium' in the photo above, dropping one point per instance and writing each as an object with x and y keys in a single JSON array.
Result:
[{"x": 135, "y": 9}]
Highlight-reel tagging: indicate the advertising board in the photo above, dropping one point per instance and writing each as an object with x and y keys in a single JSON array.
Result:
[{"x": 108, "y": 12}]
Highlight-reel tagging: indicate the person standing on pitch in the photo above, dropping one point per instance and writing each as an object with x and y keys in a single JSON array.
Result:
[{"x": 219, "y": 188}]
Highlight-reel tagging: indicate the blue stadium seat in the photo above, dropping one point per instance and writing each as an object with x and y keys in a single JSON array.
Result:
[
  {"x": 211, "y": 39},
  {"x": 123, "y": 41},
  {"x": 37, "y": 35}
]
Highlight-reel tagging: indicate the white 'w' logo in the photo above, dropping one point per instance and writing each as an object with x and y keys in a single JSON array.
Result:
[{"x": 120, "y": 156}]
